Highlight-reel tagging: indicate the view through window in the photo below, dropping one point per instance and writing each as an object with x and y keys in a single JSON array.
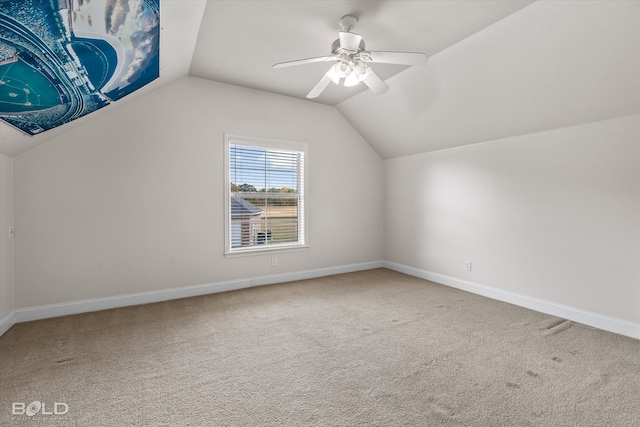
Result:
[{"x": 266, "y": 196}]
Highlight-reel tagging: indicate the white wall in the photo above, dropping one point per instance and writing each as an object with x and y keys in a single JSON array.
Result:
[
  {"x": 6, "y": 241},
  {"x": 110, "y": 210},
  {"x": 133, "y": 201},
  {"x": 553, "y": 216}
]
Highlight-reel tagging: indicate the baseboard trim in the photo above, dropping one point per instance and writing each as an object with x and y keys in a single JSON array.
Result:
[
  {"x": 606, "y": 323},
  {"x": 7, "y": 322},
  {"x": 617, "y": 326},
  {"x": 89, "y": 305}
]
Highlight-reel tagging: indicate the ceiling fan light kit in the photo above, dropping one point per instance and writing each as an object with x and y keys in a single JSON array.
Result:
[{"x": 352, "y": 60}]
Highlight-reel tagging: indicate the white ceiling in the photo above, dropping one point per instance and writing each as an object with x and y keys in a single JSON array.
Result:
[
  {"x": 239, "y": 41},
  {"x": 497, "y": 68},
  {"x": 550, "y": 65}
]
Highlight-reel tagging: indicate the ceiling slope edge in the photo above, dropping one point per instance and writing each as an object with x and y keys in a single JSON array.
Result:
[{"x": 521, "y": 75}]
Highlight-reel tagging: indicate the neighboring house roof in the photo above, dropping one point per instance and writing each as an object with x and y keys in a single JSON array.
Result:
[{"x": 240, "y": 207}]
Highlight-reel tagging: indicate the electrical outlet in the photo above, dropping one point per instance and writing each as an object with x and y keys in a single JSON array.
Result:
[
  {"x": 274, "y": 261},
  {"x": 467, "y": 265}
]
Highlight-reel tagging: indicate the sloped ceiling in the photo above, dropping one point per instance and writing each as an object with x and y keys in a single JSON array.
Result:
[
  {"x": 496, "y": 69},
  {"x": 180, "y": 22},
  {"x": 547, "y": 66}
]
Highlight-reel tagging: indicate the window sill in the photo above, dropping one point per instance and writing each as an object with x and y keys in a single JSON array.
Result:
[{"x": 267, "y": 250}]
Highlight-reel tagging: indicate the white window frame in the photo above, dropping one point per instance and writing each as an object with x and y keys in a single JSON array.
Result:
[{"x": 302, "y": 244}]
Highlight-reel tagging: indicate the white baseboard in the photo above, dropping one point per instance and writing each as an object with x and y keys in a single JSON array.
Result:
[
  {"x": 7, "y": 322},
  {"x": 85, "y": 306},
  {"x": 617, "y": 326},
  {"x": 55, "y": 310}
]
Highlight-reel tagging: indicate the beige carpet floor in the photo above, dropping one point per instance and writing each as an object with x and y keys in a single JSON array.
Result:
[{"x": 373, "y": 348}]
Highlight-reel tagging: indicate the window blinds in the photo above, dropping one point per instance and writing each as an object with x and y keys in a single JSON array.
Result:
[{"x": 266, "y": 196}]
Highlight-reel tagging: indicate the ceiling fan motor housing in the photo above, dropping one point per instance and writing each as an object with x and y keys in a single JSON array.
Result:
[{"x": 335, "y": 47}]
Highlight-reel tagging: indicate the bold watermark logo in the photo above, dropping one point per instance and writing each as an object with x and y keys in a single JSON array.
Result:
[{"x": 37, "y": 407}]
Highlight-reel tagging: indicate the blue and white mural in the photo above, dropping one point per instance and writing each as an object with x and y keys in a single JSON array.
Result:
[{"x": 63, "y": 59}]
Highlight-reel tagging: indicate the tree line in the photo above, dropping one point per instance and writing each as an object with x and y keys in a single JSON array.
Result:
[{"x": 248, "y": 188}]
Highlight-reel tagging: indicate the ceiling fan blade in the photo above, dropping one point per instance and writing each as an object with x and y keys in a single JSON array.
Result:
[
  {"x": 349, "y": 41},
  {"x": 319, "y": 87},
  {"x": 375, "y": 83},
  {"x": 306, "y": 61},
  {"x": 403, "y": 58}
]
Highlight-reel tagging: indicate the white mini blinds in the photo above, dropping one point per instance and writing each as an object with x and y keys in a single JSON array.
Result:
[{"x": 265, "y": 200}]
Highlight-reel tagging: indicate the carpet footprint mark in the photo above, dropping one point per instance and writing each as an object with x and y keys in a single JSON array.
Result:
[
  {"x": 557, "y": 327},
  {"x": 554, "y": 323},
  {"x": 442, "y": 408}
]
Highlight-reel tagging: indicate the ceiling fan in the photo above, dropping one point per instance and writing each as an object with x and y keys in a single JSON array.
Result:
[{"x": 352, "y": 61}]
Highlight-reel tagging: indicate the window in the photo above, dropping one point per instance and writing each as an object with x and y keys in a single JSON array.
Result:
[{"x": 264, "y": 197}]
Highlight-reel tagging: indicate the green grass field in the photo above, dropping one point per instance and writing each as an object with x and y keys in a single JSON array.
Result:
[
  {"x": 24, "y": 89},
  {"x": 282, "y": 229}
]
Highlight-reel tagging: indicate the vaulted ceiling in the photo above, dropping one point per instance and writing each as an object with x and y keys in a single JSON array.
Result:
[{"x": 496, "y": 69}]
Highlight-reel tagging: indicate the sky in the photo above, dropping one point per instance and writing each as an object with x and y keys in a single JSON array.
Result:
[{"x": 263, "y": 168}]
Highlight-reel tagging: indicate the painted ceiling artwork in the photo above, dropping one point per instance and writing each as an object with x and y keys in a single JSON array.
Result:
[{"x": 63, "y": 59}]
